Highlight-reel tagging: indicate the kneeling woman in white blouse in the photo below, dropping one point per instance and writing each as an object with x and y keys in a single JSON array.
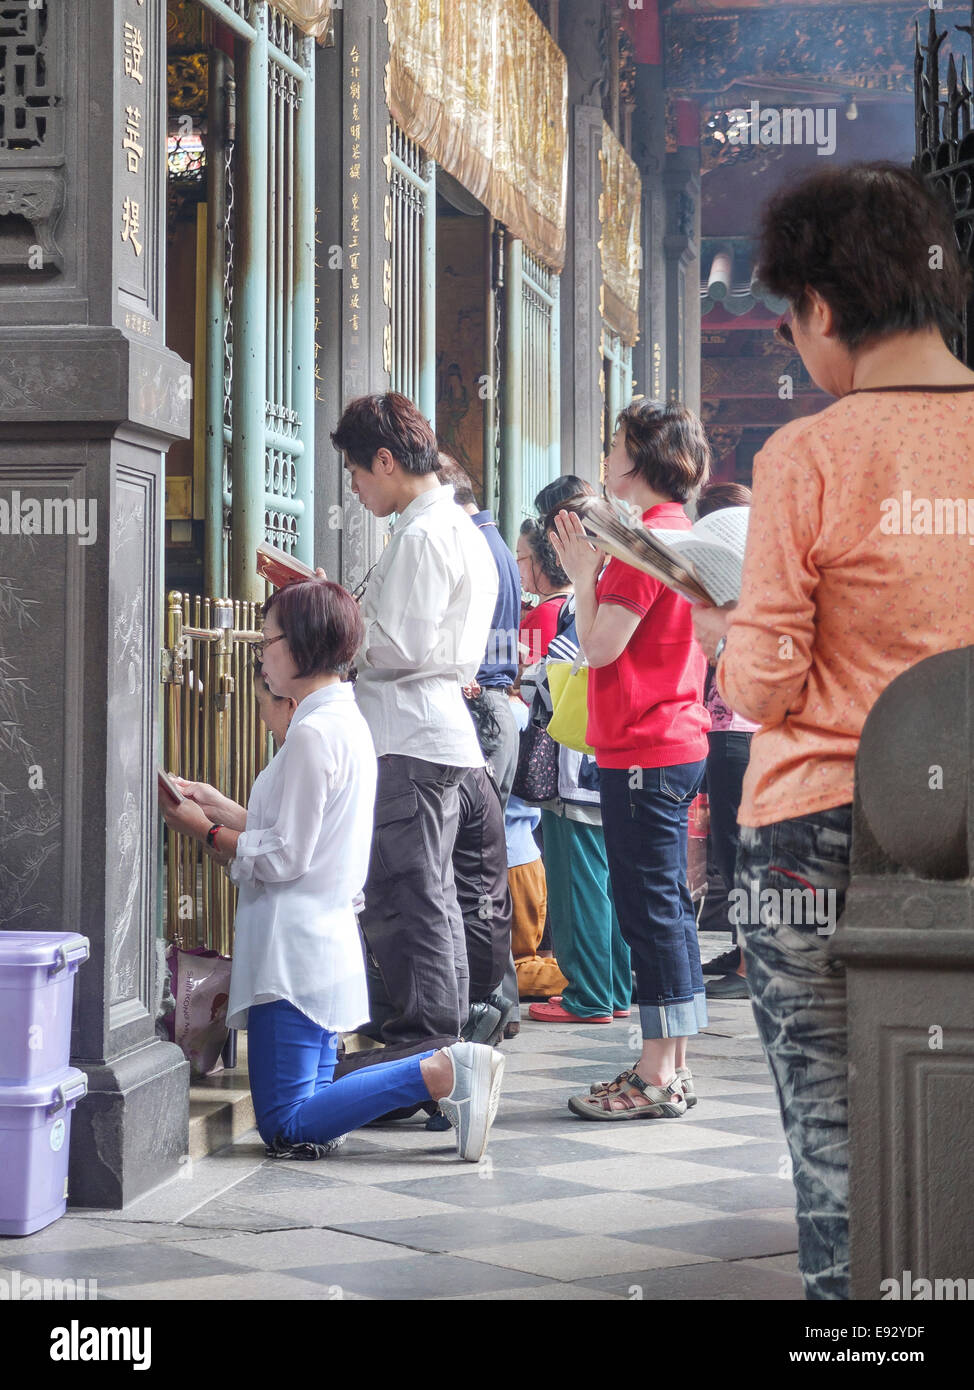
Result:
[{"x": 299, "y": 854}]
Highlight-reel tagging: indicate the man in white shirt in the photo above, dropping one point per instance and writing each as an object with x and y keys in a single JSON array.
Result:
[{"x": 428, "y": 609}]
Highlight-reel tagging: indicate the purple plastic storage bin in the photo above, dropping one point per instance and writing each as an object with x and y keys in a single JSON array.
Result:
[
  {"x": 37, "y": 970},
  {"x": 35, "y": 1134}
]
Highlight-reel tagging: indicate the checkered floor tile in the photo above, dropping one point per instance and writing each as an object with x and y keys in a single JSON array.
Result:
[{"x": 699, "y": 1207}]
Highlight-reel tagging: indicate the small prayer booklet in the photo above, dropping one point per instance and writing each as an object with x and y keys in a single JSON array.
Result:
[
  {"x": 168, "y": 787},
  {"x": 279, "y": 568}
]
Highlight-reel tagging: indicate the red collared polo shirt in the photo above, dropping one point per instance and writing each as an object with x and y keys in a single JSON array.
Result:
[{"x": 646, "y": 708}]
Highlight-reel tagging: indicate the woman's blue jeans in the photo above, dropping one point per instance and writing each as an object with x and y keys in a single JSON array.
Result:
[
  {"x": 644, "y": 819},
  {"x": 292, "y": 1061}
]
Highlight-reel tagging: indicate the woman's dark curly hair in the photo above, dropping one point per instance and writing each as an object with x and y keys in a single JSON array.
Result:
[
  {"x": 543, "y": 553},
  {"x": 876, "y": 244}
]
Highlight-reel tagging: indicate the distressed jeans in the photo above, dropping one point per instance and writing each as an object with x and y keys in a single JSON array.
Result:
[{"x": 789, "y": 892}]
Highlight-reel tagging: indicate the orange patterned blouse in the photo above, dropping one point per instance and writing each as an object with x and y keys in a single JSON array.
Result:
[{"x": 860, "y": 563}]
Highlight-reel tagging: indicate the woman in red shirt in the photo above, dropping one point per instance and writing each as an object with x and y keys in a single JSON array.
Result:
[{"x": 648, "y": 726}]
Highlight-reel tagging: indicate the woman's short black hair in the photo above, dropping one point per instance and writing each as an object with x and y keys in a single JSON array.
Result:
[
  {"x": 387, "y": 421},
  {"x": 554, "y": 495},
  {"x": 459, "y": 479},
  {"x": 322, "y": 624},
  {"x": 667, "y": 446},
  {"x": 717, "y": 496},
  {"x": 543, "y": 553},
  {"x": 875, "y": 242}
]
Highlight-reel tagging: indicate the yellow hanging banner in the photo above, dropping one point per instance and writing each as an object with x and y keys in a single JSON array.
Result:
[
  {"x": 619, "y": 213},
  {"x": 482, "y": 87}
]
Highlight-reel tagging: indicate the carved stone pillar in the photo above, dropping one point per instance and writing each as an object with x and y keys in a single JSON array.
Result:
[
  {"x": 649, "y": 152},
  {"x": 352, "y": 261},
  {"x": 682, "y": 251},
  {"x": 907, "y": 941},
  {"x": 581, "y": 325},
  {"x": 582, "y": 398},
  {"x": 90, "y": 399}
]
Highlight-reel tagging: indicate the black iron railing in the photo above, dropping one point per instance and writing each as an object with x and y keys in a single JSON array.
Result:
[{"x": 945, "y": 141}]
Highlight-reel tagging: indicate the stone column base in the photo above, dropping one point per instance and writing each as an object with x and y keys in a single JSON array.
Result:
[{"x": 129, "y": 1134}]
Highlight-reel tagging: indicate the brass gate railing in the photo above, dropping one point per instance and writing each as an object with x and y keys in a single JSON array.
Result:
[{"x": 212, "y": 733}]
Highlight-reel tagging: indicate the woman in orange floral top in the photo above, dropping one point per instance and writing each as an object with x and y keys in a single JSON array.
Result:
[{"x": 834, "y": 606}]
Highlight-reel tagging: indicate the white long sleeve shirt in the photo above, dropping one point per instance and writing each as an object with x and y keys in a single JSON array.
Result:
[
  {"x": 300, "y": 862},
  {"x": 428, "y": 612}
]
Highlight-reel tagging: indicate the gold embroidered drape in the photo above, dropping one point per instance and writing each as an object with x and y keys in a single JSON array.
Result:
[
  {"x": 311, "y": 16},
  {"x": 482, "y": 87},
  {"x": 619, "y": 214}
]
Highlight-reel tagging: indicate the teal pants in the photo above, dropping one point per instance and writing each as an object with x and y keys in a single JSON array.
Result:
[{"x": 585, "y": 933}]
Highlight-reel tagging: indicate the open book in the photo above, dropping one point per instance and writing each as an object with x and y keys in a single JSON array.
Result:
[
  {"x": 703, "y": 564},
  {"x": 280, "y": 568}
]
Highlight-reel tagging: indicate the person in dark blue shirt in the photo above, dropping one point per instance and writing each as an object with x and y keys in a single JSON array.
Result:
[
  {"x": 498, "y": 671},
  {"x": 497, "y": 731}
]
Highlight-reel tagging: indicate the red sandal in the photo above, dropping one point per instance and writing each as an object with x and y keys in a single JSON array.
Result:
[
  {"x": 554, "y": 1013},
  {"x": 616, "y": 1013}
]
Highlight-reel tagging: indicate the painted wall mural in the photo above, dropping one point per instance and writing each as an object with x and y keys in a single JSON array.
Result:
[{"x": 461, "y": 341}]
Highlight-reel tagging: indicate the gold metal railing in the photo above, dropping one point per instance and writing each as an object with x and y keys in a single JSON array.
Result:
[{"x": 212, "y": 732}]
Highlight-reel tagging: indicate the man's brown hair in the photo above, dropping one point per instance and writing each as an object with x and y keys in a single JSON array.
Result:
[{"x": 388, "y": 421}]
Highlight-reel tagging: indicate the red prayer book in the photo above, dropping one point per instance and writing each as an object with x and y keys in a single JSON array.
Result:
[{"x": 279, "y": 568}]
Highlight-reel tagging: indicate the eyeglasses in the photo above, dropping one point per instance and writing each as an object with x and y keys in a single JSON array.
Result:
[
  {"x": 783, "y": 333},
  {"x": 358, "y": 593},
  {"x": 260, "y": 647}
]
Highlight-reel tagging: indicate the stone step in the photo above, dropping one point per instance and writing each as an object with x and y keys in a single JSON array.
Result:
[{"x": 220, "y": 1106}]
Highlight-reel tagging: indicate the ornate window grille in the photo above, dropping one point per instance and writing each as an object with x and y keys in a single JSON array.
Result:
[
  {"x": 540, "y": 379},
  {"x": 412, "y": 285},
  {"x": 617, "y": 374}
]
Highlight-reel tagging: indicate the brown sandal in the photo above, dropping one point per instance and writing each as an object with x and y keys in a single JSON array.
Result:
[
  {"x": 665, "y": 1103},
  {"x": 605, "y": 1088},
  {"x": 611, "y": 1088}
]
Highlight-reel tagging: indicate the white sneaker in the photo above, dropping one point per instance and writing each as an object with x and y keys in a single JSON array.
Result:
[{"x": 472, "y": 1104}]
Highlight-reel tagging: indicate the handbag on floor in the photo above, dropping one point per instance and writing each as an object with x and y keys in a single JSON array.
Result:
[{"x": 201, "y": 986}]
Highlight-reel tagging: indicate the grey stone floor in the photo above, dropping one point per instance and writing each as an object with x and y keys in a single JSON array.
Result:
[{"x": 695, "y": 1208}]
